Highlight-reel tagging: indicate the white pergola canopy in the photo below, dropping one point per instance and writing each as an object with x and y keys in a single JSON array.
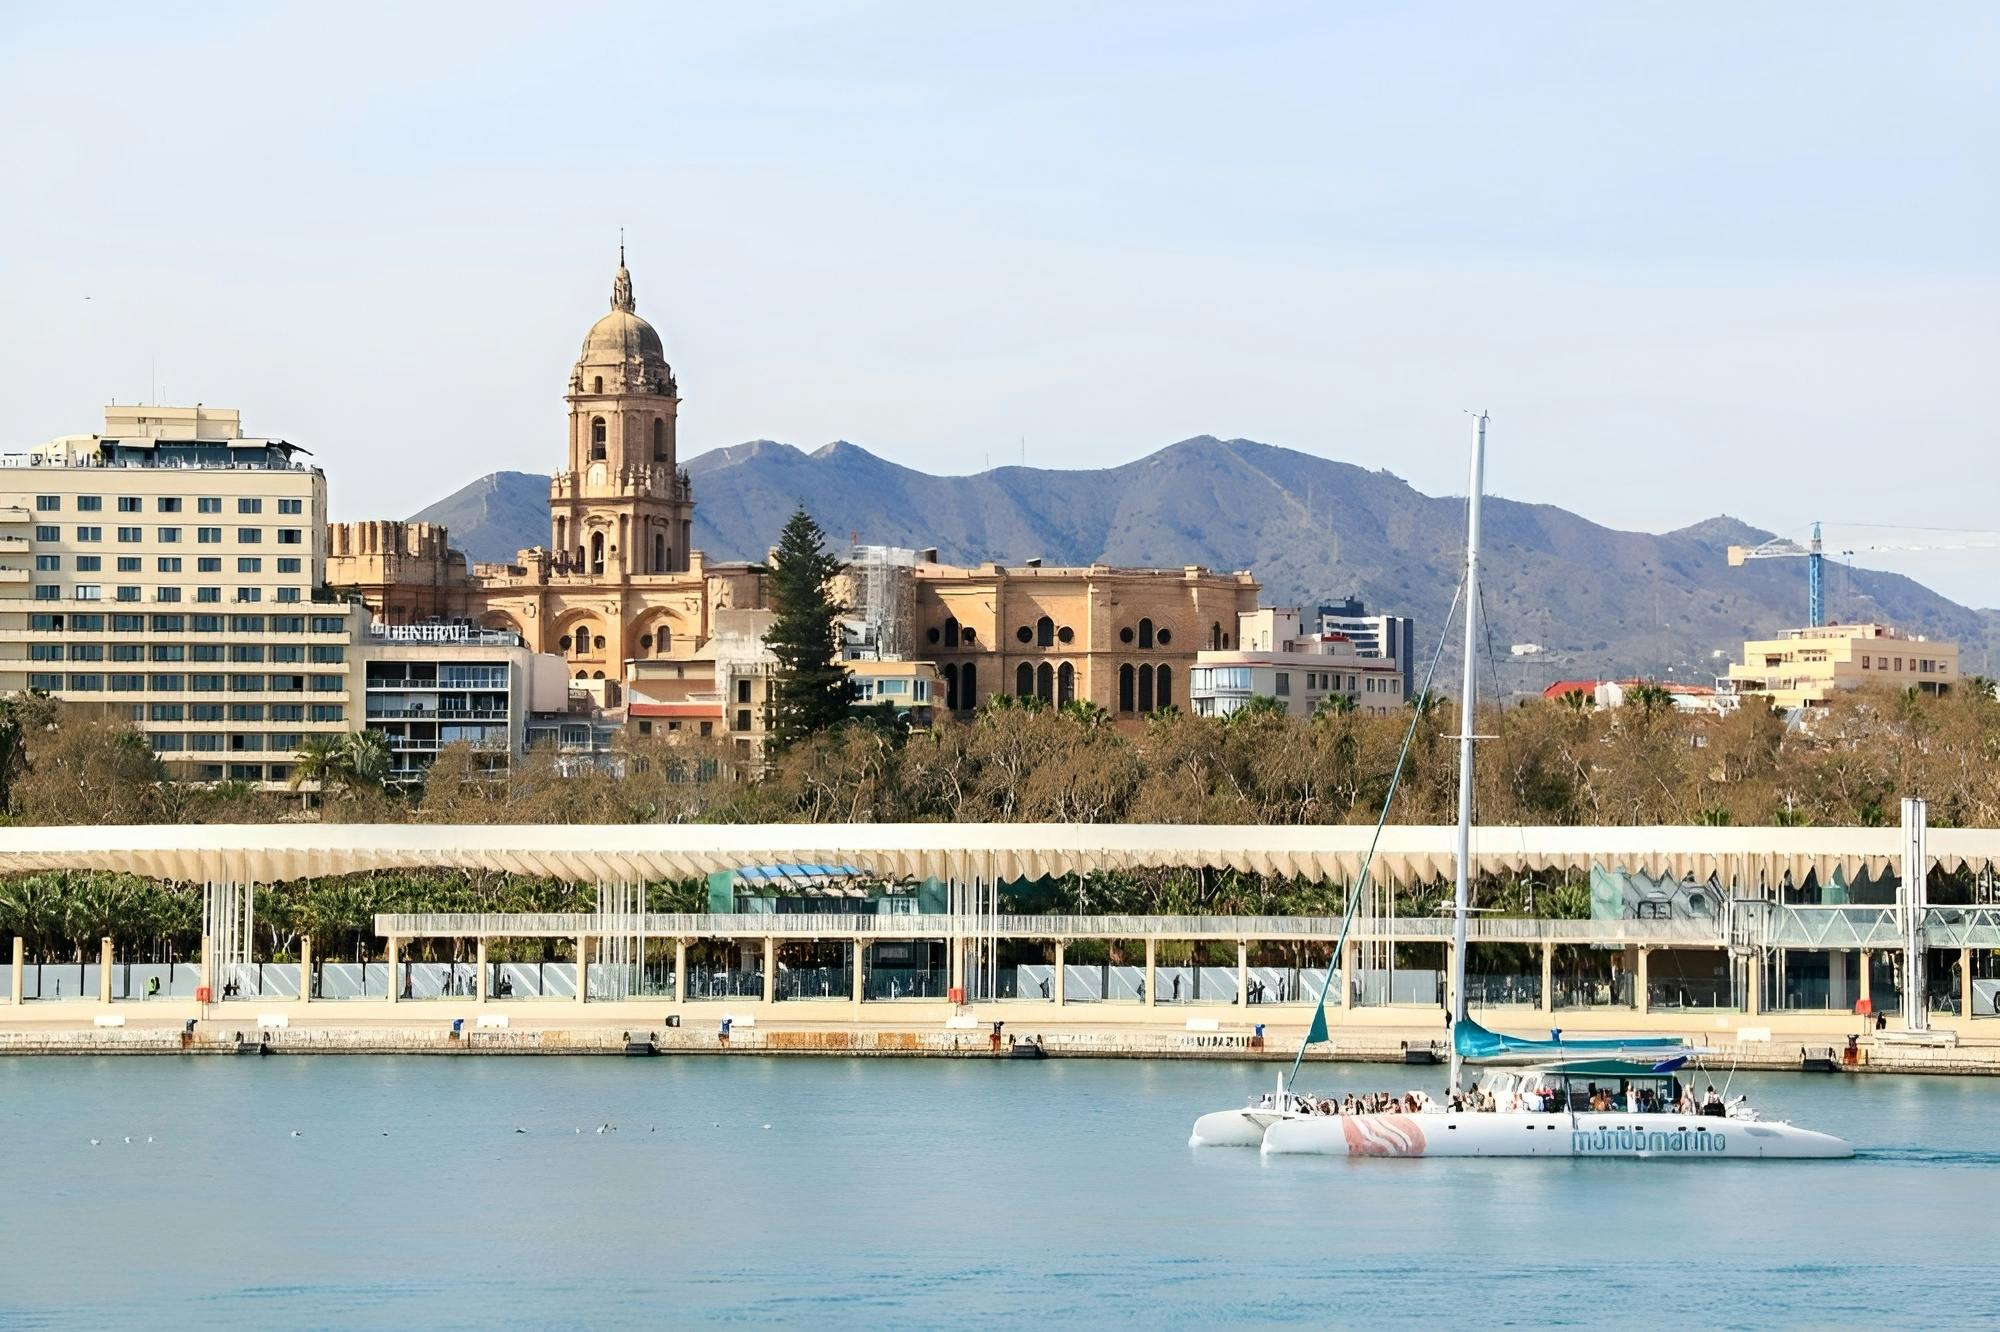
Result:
[{"x": 277, "y": 853}]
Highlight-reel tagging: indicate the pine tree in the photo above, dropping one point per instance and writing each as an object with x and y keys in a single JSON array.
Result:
[{"x": 809, "y": 691}]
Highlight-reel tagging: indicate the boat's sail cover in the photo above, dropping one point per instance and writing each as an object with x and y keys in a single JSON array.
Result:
[{"x": 1478, "y": 1045}]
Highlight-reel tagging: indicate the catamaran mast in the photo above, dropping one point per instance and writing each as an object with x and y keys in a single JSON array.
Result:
[{"x": 1467, "y": 706}]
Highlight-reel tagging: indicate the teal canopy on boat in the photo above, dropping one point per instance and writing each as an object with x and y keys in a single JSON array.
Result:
[{"x": 1473, "y": 1042}]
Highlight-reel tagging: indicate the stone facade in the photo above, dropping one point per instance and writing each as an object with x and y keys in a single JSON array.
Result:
[{"x": 1123, "y": 639}]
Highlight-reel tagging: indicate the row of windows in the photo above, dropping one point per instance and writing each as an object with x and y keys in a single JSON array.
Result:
[
  {"x": 208, "y": 742},
  {"x": 88, "y": 622},
  {"x": 174, "y": 683},
  {"x": 320, "y": 654},
  {"x": 237, "y": 772},
  {"x": 236, "y": 712},
  {"x": 165, "y": 504},
  {"x": 168, "y": 536},
  {"x": 133, "y": 592},
  {"x": 287, "y": 564},
  {"x": 1921, "y": 665}
]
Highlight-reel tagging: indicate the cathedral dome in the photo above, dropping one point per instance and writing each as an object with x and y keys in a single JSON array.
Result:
[{"x": 624, "y": 346}]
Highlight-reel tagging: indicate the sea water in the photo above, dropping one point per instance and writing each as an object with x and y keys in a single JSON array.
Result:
[{"x": 445, "y": 1192}]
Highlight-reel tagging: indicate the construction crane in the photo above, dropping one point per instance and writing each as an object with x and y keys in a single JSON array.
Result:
[{"x": 1815, "y": 556}]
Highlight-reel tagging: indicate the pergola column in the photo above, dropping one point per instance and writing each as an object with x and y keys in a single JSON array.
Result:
[
  {"x": 1346, "y": 973},
  {"x": 1548, "y": 1003},
  {"x": 582, "y": 968},
  {"x": 19, "y": 970},
  {"x": 1964, "y": 982},
  {"x": 1753, "y": 971},
  {"x": 1152, "y": 953},
  {"x": 305, "y": 968},
  {"x": 104, "y": 971},
  {"x": 1242, "y": 973},
  {"x": 480, "y": 984},
  {"x": 1867, "y": 966},
  {"x": 860, "y": 969},
  {"x": 680, "y": 971},
  {"x": 394, "y": 954},
  {"x": 770, "y": 969},
  {"x": 1640, "y": 993},
  {"x": 1061, "y": 968}
]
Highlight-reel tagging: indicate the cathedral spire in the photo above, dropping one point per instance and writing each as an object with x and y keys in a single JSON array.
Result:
[{"x": 621, "y": 286}]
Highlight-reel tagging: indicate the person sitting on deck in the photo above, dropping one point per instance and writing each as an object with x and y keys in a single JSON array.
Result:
[{"x": 1711, "y": 1102}]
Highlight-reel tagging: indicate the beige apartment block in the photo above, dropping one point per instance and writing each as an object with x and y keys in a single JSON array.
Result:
[
  {"x": 1124, "y": 639},
  {"x": 1279, "y": 656},
  {"x": 168, "y": 568},
  {"x": 1804, "y": 667}
]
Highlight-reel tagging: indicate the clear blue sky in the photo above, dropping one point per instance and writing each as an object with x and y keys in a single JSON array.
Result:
[{"x": 1695, "y": 258}]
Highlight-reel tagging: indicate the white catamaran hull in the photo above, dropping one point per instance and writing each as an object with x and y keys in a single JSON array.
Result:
[
  {"x": 1644, "y": 1137},
  {"x": 1235, "y": 1128}
]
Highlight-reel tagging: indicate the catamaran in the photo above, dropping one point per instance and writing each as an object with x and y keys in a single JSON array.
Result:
[{"x": 1608, "y": 1097}]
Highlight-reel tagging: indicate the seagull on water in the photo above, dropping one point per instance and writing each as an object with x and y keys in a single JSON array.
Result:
[
  {"x": 93, "y": 1142},
  {"x": 297, "y": 1134},
  {"x": 518, "y": 1129},
  {"x": 128, "y": 1139}
]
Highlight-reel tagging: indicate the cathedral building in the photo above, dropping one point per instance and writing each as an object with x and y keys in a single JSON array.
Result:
[{"x": 619, "y": 579}]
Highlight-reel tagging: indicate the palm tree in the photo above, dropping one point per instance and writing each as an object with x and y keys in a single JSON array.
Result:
[
  {"x": 1335, "y": 705},
  {"x": 1086, "y": 713},
  {"x": 322, "y": 760},
  {"x": 367, "y": 758}
]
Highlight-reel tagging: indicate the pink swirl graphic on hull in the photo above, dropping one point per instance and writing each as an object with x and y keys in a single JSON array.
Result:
[{"x": 1382, "y": 1135}]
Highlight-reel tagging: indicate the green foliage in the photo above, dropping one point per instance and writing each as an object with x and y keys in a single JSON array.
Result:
[{"x": 810, "y": 692}]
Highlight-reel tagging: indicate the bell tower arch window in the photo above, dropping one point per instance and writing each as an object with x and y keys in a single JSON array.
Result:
[
  {"x": 597, "y": 384},
  {"x": 597, "y": 552},
  {"x": 597, "y": 439},
  {"x": 659, "y": 552},
  {"x": 659, "y": 440}
]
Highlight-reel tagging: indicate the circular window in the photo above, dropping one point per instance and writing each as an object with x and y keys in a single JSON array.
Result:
[
  {"x": 934, "y": 635},
  {"x": 1164, "y": 637},
  {"x": 563, "y": 642},
  {"x": 645, "y": 640},
  {"x": 1065, "y": 634},
  {"x": 600, "y": 642},
  {"x": 1125, "y": 635},
  {"x": 1025, "y": 634}
]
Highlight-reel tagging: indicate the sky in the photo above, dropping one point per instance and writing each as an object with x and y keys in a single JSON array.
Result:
[{"x": 1693, "y": 258}]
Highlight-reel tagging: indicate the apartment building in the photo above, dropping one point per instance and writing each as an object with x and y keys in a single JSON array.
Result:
[
  {"x": 1804, "y": 667},
  {"x": 171, "y": 569},
  {"x": 426, "y": 686},
  {"x": 1281, "y": 658},
  {"x": 1391, "y": 636}
]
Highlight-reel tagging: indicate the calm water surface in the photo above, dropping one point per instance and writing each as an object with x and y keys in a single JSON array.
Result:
[{"x": 927, "y": 1192}]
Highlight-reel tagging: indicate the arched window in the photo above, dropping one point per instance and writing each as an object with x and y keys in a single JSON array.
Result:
[
  {"x": 597, "y": 439},
  {"x": 597, "y": 384},
  {"x": 597, "y": 552},
  {"x": 659, "y": 440},
  {"x": 659, "y": 552},
  {"x": 1214, "y": 637},
  {"x": 1045, "y": 683},
  {"x": 1024, "y": 680},
  {"x": 950, "y": 674},
  {"x": 1065, "y": 683},
  {"x": 1225, "y": 642},
  {"x": 597, "y": 675},
  {"x": 580, "y": 642},
  {"x": 1145, "y": 689},
  {"x": 968, "y": 687},
  {"x": 1125, "y": 687},
  {"x": 951, "y": 633},
  {"x": 578, "y": 566},
  {"x": 1165, "y": 689},
  {"x": 663, "y": 640},
  {"x": 1045, "y": 632},
  {"x": 1145, "y": 633}
]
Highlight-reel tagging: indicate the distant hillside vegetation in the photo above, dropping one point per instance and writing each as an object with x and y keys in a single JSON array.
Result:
[{"x": 1603, "y": 602}]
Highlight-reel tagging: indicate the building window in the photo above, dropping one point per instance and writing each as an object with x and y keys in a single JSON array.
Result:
[
  {"x": 597, "y": 384},
  {"x": 742, "y": 691},
  {"x": 659, "y": 440},
  {"x": 968, "y": 687},
  {"x": 48, "y": 563},
  {"x": 1215, "y": 638},
  {"x": 1125, "y": 634},
  {"x": 1045, "y": 683},
  {"x": 742, "y": 719},
  {"x": 1165, "y": 691},
  {"x": 291, "y": 506},
  {"x": 1145, "y": 635},
  {"x": 90, "y": 534},
  {"x": 659, "y": 553},
  {"x": 1125, "y": 679},
  {"x": 208, "y": 504},
  {"x": 249, "y": 504},
  {"x": 1165, "y": 636},
  {"x": 130, "y": 534},
  {"x": 1145, "y": 688},
  {"x": 48, "y": 503},
  {"x": 249, "y": 564},
  {"x": 127, "y": 504},
  {"x": 250, "y": 536},
  {"x": 291, "y": 536},
  {"x": 208, "y": 536},
  {"x": 597, "y": 552},
  {"x": 48, "y": 533},
  {"x": 951, "y": 633},
  {"x": 89, "y": 503},
  {"x": 597, "y": 439},
  {"x": 1024, "y": 681},
  {"x": 169, "y": 564},
  {"x": 169, "y": 535},
  {"x": 1065, "y": 683}
]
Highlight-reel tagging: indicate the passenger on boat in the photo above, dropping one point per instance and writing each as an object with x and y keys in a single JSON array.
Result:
[{"x": 1711, "y": 1102}]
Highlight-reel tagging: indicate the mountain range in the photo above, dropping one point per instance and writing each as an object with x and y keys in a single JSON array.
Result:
[{"x": 1598, "y": 601}]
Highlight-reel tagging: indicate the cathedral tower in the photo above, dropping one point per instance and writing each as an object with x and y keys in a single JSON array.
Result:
[{"x": 622, "y": 507}]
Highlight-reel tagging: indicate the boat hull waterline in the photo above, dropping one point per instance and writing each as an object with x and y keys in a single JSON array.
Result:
[
  {"x": 1236, "y": 1128},
  {"x": 1645, "y": 1137}
]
